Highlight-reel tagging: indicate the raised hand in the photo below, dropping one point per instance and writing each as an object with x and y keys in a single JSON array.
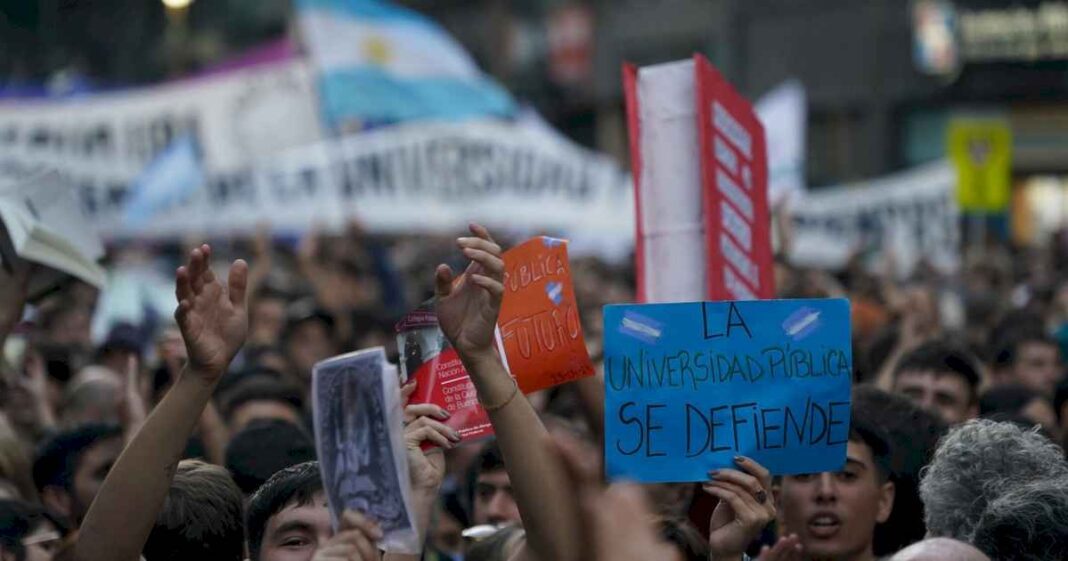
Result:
[
  {"x": 745, "y": 507},
  {"x": 354, "y": 541},
  {"x": 213, "y": 318},
  {"x": 427, "y": 466},
  {"x": 467, "y": 307}
]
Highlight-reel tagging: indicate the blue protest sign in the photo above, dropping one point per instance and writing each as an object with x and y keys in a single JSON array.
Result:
[{"x": 689, "y": 386}]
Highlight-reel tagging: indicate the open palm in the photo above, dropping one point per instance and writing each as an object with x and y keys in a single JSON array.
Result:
[
  {"x": 467, "y": 307},
  {"x": 213, "y": 318}
]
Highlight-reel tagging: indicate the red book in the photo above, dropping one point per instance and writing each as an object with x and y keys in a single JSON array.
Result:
[
  {"x": 539, "y": 321},
  {"x": 539, "y": 337}
]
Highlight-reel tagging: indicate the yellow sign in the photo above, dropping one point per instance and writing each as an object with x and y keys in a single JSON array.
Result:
[{"x": 981, "y": 150}]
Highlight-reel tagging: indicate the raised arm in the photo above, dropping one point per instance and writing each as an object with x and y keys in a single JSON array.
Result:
[
  {"x": 214, "y": 321},
  {"x": 467, "y": 311}
]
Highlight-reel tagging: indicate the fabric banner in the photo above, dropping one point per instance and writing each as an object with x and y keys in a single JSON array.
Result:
[
  {"x": 906, "y": 217},
  {"x": 406, "y": 179},
  {"x": 237, "y": 117}
]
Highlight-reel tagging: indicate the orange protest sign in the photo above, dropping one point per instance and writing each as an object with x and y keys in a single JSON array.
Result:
[{"x": 539, "y": 319}]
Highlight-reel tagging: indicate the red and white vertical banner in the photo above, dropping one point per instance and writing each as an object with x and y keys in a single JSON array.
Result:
[
  {"x": 699, "y": 160},
  {"x": 734, "y": 176}
]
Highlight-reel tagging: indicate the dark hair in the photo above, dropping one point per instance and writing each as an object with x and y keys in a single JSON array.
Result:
[
  {"x": 17, "y": 520},
  {"x": 681, "y": 534},
  {"x": 294, "y": 485},
  {"x": 58, "y": 458},
  {"x": 488, "y": 459},
  {"x": 265, "y": 447},
  {"x": 943, "y": 356},
  {"x": 200, "y": 519},
  {"x": 865, "y": 428},
  {"x": 261, "y": 387},
  {"x": 1007, "y": 399},
  {"x": 1014, "y": 331},
  {"x": 913, "y": 434}
]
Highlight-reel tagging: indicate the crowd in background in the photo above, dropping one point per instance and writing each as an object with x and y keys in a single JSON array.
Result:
[{"x": 930, "y": 352}]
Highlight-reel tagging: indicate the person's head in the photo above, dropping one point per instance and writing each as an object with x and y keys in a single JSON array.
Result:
[
  {"x": 835, "y": 513},
  {"x": 307, "y": 338},
  {"x": 1016, "y": 400},
  {"x": 940, "y": 549},
  {"x": 287, "y": 518},
  {"x": 266, "y": 316},
  {"x": 941, "y": 376},
  {"x": 501, "y": 546},
  {"x": 28, "y": 532},
  {"x": 72, "y": 465},
  {"x": 492, "y": 501},
  {"x": 201, "y": 517},
  {"x": 913, "y": 433},
  {"x": 977, "y": 462},
  {"x": 1030, "y": 357},
  {"x": 1029, "y": 523},
  {"x": 124, "y": 341},
  {"x": 262, "y": 397},
  {"x": 92, "y": 396},
  {"x": 263, "y": 448}
]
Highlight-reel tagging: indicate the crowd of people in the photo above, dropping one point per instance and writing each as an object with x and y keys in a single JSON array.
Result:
[{"x": 193, "y": 439}]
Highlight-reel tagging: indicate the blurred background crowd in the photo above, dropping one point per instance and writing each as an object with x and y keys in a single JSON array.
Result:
[{"x": 983, "y": 334}]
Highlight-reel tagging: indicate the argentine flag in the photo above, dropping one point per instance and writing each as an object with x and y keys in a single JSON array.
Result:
[
  {"x": 169, "y": 180},
  {"x": 383, "y": 63}
]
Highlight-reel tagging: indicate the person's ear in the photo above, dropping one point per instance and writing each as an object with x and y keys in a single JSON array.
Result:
[
  {"x": 57, "y": 500},
  {"x": 886, "y": 502}
]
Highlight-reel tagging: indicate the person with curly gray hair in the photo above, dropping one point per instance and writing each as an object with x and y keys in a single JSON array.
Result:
[
  {"x": 975, "y": 464},
  {"x": 1029, "y": 523}
]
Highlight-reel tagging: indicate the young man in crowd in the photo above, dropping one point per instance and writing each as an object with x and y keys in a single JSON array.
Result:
[
  {"x": 834, "y": 514},
  {"x": 492, "y": 501},
  {"x": 1025, "y": 354},
  {"x": 942, "y": 377},
  {"x": 288, "y": 520},
  {"x": 262, "y": 397},
  {"x": 71, "y": 467}
]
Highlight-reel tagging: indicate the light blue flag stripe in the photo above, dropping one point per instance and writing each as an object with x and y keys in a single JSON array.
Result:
[
  {"x": 174, "y": 175},
  {"x": 370, "y": 92}
]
